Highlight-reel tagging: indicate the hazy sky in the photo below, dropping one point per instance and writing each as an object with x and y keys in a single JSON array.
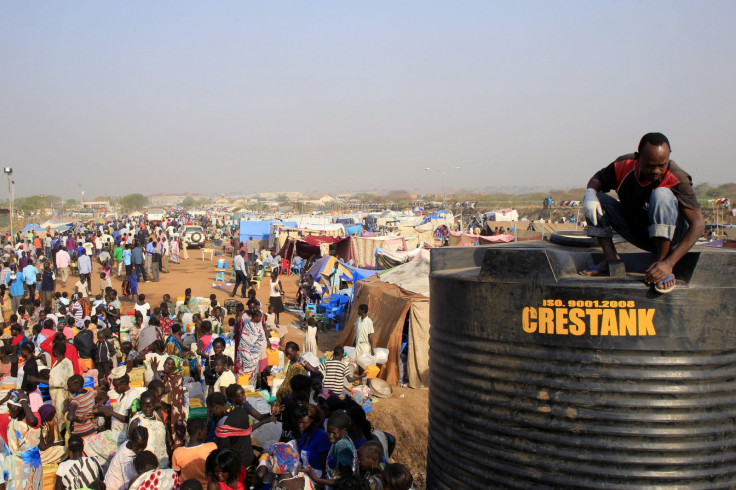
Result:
[{"x": 220, "y": 97}]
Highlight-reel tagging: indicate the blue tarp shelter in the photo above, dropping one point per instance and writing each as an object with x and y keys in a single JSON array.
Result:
[
  {"x": 354, "y": 230},
  {"x": 322, "y": 267},
  {"x": 260, "y": 230}
]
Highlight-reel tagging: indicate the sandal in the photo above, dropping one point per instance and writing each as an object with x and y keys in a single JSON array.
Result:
[
  {"x": 593, "y": 268},
  {"x": 663, "y": 289}
]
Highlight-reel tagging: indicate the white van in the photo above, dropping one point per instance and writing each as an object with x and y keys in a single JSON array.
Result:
[{"x": 155, "y": 214}]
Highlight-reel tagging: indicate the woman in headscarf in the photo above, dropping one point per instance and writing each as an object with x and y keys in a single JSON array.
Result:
[
  {"x": 174, "y": 401},
  {"x": 174, "y": 344},
  {"x": 284, "y": 464},
  {"x": 50, "y": 445},
  {"x": 249, "y": 338},
  {"x": 190, "y": 304},
  {"x": 22, "y": 456}
]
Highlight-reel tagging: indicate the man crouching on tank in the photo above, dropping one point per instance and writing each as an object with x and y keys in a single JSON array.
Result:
[{"x": 657, "y": 209}]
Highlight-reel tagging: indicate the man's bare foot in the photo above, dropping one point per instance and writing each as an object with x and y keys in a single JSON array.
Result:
[{"x": 600, "y": 269}]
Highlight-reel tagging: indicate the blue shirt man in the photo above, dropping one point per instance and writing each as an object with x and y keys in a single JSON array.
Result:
[
  {"x": 16, "y": 285},
  {"x": 127, "y": 257},
  {"x": 30, "y": 272}
]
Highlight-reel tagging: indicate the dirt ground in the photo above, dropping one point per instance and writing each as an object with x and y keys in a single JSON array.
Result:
[{"x": 405, "y": 414}]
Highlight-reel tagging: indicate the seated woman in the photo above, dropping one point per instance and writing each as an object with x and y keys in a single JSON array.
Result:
[
  {"x": 174, "y": 344},
  {"x": 51, "y": 445}
]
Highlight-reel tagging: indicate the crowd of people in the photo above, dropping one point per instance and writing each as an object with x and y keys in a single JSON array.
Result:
[{"x": 99, "y": 399}]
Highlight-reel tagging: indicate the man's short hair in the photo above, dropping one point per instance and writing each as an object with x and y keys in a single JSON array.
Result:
[{"x": 654, "y": 139}]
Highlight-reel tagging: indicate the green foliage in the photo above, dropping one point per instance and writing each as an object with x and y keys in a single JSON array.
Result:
[
  {"x": 188, "y": 202},
  {"x": 132, "y": 202},
  {"x": 33, "y": 204}
]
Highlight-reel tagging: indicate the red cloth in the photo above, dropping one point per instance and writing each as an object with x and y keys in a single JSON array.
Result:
[
  {"x": 5, "y": 422},
  {"x": 71, "y": 353},
  {"x": 17, "y": 339}
]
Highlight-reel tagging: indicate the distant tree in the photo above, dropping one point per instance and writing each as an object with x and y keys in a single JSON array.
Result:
[
  {"x": 132, "y": 202},
  {"x": 188, "y": 202},
  {"x": 282, "y": 199}
]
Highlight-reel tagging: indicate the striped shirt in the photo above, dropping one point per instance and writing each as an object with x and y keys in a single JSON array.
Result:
[
  {"x": 84, "y": 404},
  {"x": 79, "y": 473},
  {"x": 335, "y": 373}
]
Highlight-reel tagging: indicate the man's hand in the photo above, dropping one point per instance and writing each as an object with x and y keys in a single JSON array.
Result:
[
  {"x": 657, "y": 272},
  {"x": 592, "y": 207}
]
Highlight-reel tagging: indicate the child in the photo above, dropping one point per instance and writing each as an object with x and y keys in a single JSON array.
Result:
[
  {"x": 57, "y": 301},
  {"x": 81, "y": 288},
  {"x": 126, "y": 287},
  {"x": 190, "y": 460},
  {"x": 369, "y": 462},
  {"x": 133, "y": 280},
  {"x": 129, "y": 354},
  {"x": 397, "y": 477},
  {"x": 97, "y": 302},
  {"x": 167, "y": 300},
  {"x": 104, "y": 356},
  {"x": 5, "y": 356},
  {"x": 105, "y": 281},
  {"x": 213, "y": 304},
  {"x": 142, "y": 306}
]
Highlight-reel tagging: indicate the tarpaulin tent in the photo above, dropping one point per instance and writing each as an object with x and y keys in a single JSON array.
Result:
[
  {"x": 390, "y": 306},
  {"x": 259, "y": 230},
  {"x": 412, "y": 276},
  {"x": 364, "y": 248},
  {"x": 358, "y": 273},
  {"x": 354, "y": 230},
  {"x": 387, "y": 259},
  {"x": 322, "y": 268},
  {"x": 310, "y": 245}
]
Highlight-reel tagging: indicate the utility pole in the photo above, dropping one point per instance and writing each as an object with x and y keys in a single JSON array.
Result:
[{"x": 9, "y": 172}]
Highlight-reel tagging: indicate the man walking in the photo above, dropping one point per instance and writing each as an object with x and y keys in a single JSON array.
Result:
[
  {"x": 84, "y": 264},
  {"x": 138, "y": 262},
  {"x": 252, "y": 247},
  {"x": 31, "y": 274},
  {"x": 62, "y": 264},
  {"x": 241, "y": 274}
]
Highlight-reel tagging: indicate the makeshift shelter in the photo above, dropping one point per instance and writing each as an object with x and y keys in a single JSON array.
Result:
[
  {"x": 507, "y": 214},
  {"x": 392, "y": 307},
  {"x": 259, "y": 230},
  {"x": 387, "y": 259},
  {"x": 322, "y": 268},
  {"x": 364, "y": 248},
  {"x": 457, "y": 238}
]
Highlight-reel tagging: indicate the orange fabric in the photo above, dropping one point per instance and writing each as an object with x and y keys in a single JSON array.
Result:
[{"x": 190, "y": 461}]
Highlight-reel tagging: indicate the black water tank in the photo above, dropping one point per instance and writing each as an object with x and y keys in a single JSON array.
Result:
[{"x": 541, "y": 378}]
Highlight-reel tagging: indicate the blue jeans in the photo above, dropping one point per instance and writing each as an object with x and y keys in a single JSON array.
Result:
[{"x": 665, "y": 220}]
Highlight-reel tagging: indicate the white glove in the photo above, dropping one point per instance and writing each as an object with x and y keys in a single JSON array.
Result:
[{"x": 592, "y": 206}]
